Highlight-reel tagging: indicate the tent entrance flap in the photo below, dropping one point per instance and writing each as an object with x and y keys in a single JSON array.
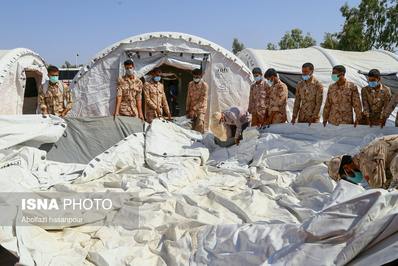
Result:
[
  {"x": 32, "y": 84},
  {"x": 145, "y": 61}
]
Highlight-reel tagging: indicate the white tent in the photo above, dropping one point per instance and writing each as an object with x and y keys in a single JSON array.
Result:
[
  {"x": 21, "y": 73},
  {"x": 94, "y": 86},
  {"x": 356, "y": 63}
]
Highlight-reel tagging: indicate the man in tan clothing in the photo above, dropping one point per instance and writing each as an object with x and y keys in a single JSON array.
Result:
[
  {"x": 258, "y": 98},
  {"x": 278, "y": 93},
  {"x": 129, "y": 93},
  {"x": 156, "y": 105},
  {"x": 375, "y": 98},
  {"x": 196, "y": 105},
  {"x": 377, "y": 163},
  {"x": 309, "y": 95},
  {"x": 54, "y": 96},
  {"x": 342, "y": 97}
]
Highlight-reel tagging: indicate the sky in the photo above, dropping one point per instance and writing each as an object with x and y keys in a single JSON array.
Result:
[{"x": 58, "y": 30}]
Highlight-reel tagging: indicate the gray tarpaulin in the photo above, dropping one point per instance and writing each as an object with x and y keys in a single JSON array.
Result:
[{"x": 87, "y": 137}]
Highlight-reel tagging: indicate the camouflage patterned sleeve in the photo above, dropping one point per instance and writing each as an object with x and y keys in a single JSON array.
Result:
[
  {"x": 68, "y": 98},
  {"x": 42, "y": 102},
  {"x": 188, "y": 103},
  {"x": 148, "y": 99},
  {"x": 165, "y": 105},
  {"x": 250, "y": 108},
  {"x": 119, "y": 87},
  {"x": 318, "y": 100},
  {"x": 356, "y": 103},
  {"x": 328, "y": 105},
  {"x": 138, "y": 96},
  {"x": 297, "y": 101},
  {"x": 365, "y": 103},
  {"x": 203, "y": 98},
  {"x": 387, "y": 99},
  {"x": 390, "y": 106}
]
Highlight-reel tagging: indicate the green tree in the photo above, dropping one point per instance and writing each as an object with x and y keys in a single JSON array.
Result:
[
  {"x": 271, "y": 46},
  {"x": 296, "y": 39},
  {"x": 372, "y": 24},
  {"x": 330, "y": 41},
  {"x": 237, "y": 46}
]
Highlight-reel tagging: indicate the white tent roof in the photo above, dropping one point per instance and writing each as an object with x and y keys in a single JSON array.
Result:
[
  {"x": 13, "y": 64},
  {"x": 171, "y": 35},
  {"x": 9, "y": 57},
  {"x": 290, "y": 61},
  {"x": 228, "y": 77}
]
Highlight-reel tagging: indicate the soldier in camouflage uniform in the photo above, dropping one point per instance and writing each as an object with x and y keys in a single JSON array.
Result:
[
  {"x": 196, "y": 105},
  {"x": 54, "y": 97},
  {"x": 156, "y": 105},
  {"x": 309, "y": 95},
  {"x": 342, "y": 97},
  {"x": 277, "y": 102},
  {"x": 375, "y": 98},
  {"x": 258, "y": 98},
  {"x": 129, "y": 93},
  {"x": 377, "y": 163}
]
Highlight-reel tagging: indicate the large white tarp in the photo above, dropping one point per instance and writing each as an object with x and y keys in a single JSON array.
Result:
[
  {"x": 94, "y": 87},
  {"x": 267, "y": 201},
  {"x": 14, "y": 65}
]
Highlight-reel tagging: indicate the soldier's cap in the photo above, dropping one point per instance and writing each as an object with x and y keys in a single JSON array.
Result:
[
  {"x": 217, "y": 115},
  {"x": 257, "y": 70},
  {"x": 334, "y": 167}
]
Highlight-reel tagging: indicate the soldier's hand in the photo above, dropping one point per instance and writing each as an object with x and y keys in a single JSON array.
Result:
[
  {"x": 141, "y": 116},
  {"x": 293, "y": 120},
  {"x": 115, "y": 113},
  {"x": 169, "y": 117},
  {"x": 383, "y": 122},
  {"x": 325, "y": 123},
  {"x": 368, "y": 121},
  {"x": 355, "y": 123},
  {"x": 63, "y": 113}
]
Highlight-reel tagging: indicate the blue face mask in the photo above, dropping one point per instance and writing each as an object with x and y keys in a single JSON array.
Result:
[
  {"x": 335, "y": 77},
  {"x": 373, "y": 84},
  {"x": 357, "y": 178},
  {"x": 306, "y": 77},
  {"x": 258, "y": 78},
  {"x": 156, "y": 78},
  {"x": 270, "y": 82},
  {"x": 53, "y": 79}
]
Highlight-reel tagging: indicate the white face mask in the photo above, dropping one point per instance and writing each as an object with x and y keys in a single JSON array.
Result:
[
  {"x": 197, "y": 80},
  {"x": 130, "y": 71}
]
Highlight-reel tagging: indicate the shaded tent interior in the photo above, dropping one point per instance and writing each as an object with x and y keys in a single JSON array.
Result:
[
  {"x": 32, "y": 85},
  {"x": 175, "y": 81}
]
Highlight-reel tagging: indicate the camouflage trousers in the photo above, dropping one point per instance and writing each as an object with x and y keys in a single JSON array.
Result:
[{"x": 198, "y": 123}]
